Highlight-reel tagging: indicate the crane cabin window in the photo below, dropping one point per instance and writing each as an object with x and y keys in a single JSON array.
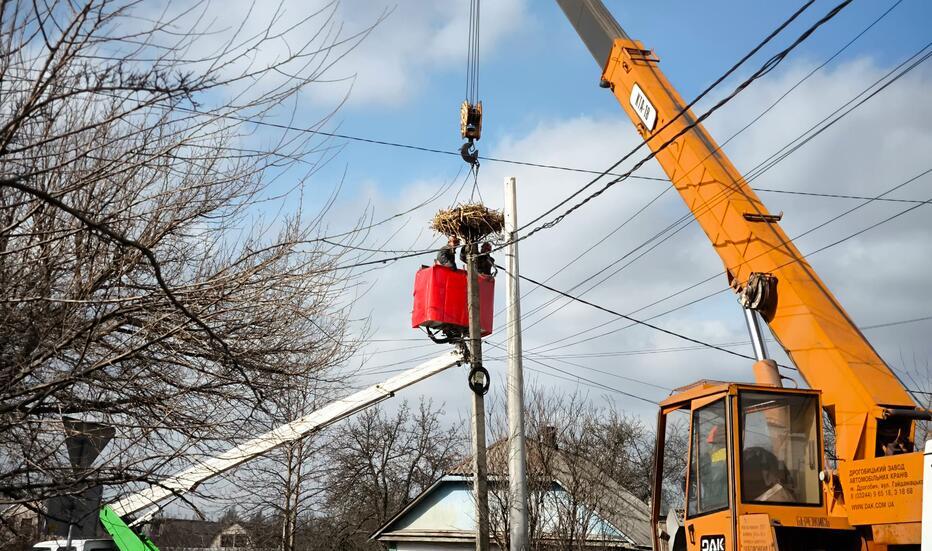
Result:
[
  {"x": 780, "y": 454},
  {"x": 708, "y": 460}
]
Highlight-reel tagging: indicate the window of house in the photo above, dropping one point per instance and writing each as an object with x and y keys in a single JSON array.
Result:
[
  {"x": 780, "y": 456},
  {"x": 708, "y": 461}
]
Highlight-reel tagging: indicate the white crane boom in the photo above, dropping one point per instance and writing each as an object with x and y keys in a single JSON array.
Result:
[{"x": 188, "y": 479}]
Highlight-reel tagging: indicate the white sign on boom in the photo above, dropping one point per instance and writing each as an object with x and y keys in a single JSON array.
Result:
[
  {"x": 188, "y": 479},
  {"x": 643, "y": 107}
]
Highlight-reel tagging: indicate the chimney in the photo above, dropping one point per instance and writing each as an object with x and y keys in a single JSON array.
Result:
[{"x": 548, "y": 436}]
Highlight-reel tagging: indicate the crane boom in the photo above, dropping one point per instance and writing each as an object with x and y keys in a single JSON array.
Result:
[
  {"x": 860, "y": 391},
  {"x": 190, "y": 478}
]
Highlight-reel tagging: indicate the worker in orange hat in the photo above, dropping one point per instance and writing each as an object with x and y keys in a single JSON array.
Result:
[{"x": 713, "y": 469}]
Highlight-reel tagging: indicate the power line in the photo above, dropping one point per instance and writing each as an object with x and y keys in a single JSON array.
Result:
[
  {"x": 696, "y": 341},
  {"x": 412, "y": 253},
  {"x": 682, "y": 112},
  {"x": 837, "y": 195},
  {"x": 745, "y": 127},
  {"x": 789, "y": 148},
  {"x": 484, "y": 158},
  {"x": 398, "y": 145},
  {"x": 799, "y": 83},
  {"x": 640, "y": 322},
  {"x": 723, "y": 195},
  {"x": 578, "y": 378},
  {"x": 768, "y": 66},
  {"x": 581, "y": 366},
  {"x": 702, "y": 343},
  {"x": 719, "y": 274},
  {"x": 892, "y": 323}
]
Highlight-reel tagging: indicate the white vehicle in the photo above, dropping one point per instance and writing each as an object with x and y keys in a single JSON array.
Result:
[{"x": 76, "y": 545}]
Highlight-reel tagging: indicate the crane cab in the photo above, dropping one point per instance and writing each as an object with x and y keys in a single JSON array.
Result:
[{"x": 752, "y": 473}]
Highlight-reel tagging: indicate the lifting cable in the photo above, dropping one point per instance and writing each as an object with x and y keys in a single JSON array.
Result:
[{"x": 471, "y": 109}]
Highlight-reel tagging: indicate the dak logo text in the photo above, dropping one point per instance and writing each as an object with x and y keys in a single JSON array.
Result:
[{"x": 712, "y": 543}]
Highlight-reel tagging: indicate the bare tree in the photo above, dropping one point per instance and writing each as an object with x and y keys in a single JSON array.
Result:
[
  {"x": 141, "y": 287},
  {"x": 284, "y": 487},
  {"x": 601, "y": 459},
  {"x": 918, "y": 374},
  {"x": 378, "y": 463}
]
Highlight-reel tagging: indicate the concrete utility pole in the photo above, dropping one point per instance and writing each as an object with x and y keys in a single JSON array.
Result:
[
  {"x": 517, "y": 456},
  {"x": 478, "y": 377}
]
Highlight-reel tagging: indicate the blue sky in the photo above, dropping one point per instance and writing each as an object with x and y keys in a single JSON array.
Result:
[
  {"x": 539, "y": 71},
  {"x": 542, "y": 104},
  {"x": 538, "y": 83}
]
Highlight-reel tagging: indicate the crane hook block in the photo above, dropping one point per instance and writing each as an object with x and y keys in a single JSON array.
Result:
[
  {"x": 471, "y": 120},
  {"x": 760, "y": 294}
]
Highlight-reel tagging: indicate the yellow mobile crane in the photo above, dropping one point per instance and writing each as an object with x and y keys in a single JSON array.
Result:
[{"x": 757, "y": 476}]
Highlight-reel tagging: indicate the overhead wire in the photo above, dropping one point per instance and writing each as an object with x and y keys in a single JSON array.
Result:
[
  {"x": 536, "y": 309},
  {"x": 675, "y": 118},
  {"x": 578, "y": 377},
  {"x": 472, "y": 87},
  {"x": 823, "y": 64},
  {"x": 692, "y": 339},
  {"x": 434, "y": 150},
  {"x": 893, "y": 323},
  {"x": 764, "y": 69},
  {"x": 852, "y": 197},
  {"x": 673, "y": 349},
  {"x": 767, "y": 67},
  {"x": 690, "y": 217},
  {"x": 862, "y": 102},
  {"x": 475, "y": 87},
  {"x": 745, "y": 127},
  {"x": 861, "y": 33},
  {"x": 641, "y": 322},
  {"x": 721, "y": 273}
]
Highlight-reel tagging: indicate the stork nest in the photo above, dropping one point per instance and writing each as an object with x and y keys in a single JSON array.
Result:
[{"x": 469, "y": 221}]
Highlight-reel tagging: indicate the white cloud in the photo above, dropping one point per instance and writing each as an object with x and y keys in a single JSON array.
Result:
[
  {"x": 382, "y": 51},
  {"x": 392, "y": 65}
]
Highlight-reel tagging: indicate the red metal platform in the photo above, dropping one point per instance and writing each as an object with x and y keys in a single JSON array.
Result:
[{"x": 440, "y": 299}]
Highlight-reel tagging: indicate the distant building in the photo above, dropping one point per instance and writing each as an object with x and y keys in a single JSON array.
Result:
[{"x": 566, "y": 490}]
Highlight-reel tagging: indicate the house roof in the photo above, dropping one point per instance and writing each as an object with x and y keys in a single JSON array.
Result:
[
  {"x": 179, "y": 532},
  {"x": 413, "y": 503},
  {"x": 617, "y": 506}
]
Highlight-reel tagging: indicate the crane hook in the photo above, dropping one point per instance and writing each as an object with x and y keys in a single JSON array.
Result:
[{"x": 469, "y": 153}]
